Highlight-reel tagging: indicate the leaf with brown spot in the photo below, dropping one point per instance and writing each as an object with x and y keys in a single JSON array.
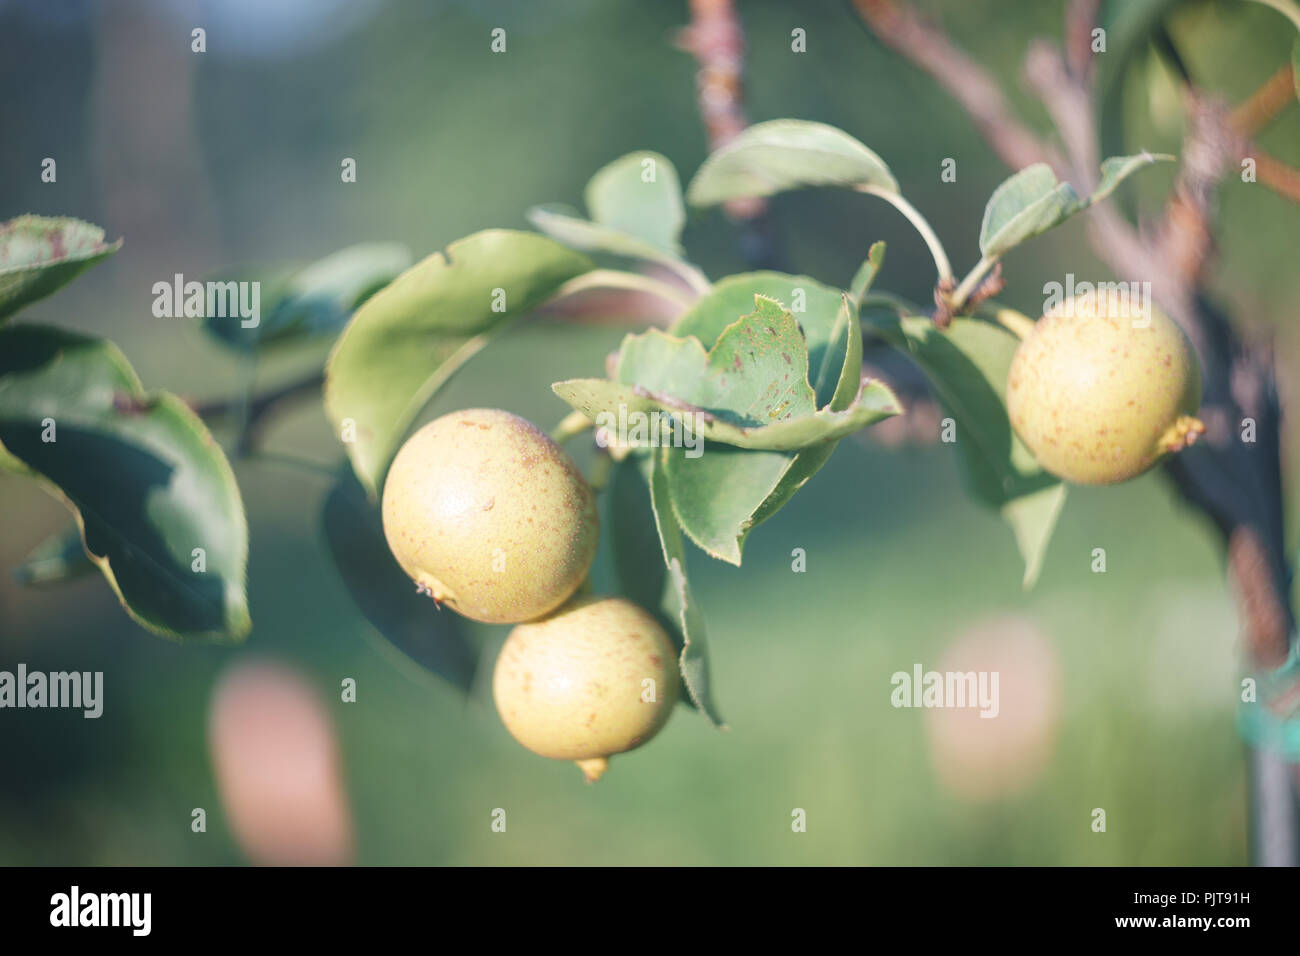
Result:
[
  {"x": 39, "y": 255},
  {"x": 760, "y": 406}
]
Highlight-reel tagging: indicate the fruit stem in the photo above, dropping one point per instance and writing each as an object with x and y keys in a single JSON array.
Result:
[
  {"x": 593, "y": 767},
  {"x": 918, "y": 222},
  {"x": 1183, "y": 432},
  {"x": 1017, "y": 322},
  {"x": 571, "y": 426}
]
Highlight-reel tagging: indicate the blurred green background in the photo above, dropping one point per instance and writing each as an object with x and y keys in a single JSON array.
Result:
[{"x": 204, "y": 161}]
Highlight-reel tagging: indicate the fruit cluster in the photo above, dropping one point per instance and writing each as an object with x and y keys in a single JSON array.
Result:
[{"x": 490, "y": 517}]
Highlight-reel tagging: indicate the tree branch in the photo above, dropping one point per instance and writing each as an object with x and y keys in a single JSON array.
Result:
[
  {"x": 1236, "y": 483},
  {"x": 717, "y": 41},
  {"x": 928, "y": 48},
  {"x": 1276, "y": 94},
  {"x": 1276, "y": 175},
  {"x": 1080, "y": 21},
  {"x": 260, "y": 407}
]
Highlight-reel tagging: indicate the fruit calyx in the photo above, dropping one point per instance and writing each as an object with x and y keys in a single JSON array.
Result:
[
  {"x": 1181, "y": 434},
  {"x": 593, "y": 768}
]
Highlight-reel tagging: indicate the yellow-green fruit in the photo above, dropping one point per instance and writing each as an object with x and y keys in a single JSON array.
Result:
[
  {"x": 1102, "y": 387},
  {"x": 490, "y": 516},
  {"x": 596, "y": 678}
]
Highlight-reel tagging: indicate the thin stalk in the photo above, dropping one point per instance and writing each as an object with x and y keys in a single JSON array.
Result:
[
  {"x": 971, "y": 282},
  {"x": 243, "y": 406},
  {"x": 602, "y": 466},
  {"x": 571, "y": 426},
  {"x": 918, "y": 222}
]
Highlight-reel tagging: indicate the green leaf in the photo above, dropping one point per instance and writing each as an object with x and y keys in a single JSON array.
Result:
[
  {"x": 1026, "y": 204},
  {"x": 750, "y": 390},
  {"x": 1033, "y": 519},
  {"x": 781, "y": 155},
  {"x": 408, "y": 339},
  {"x": 841, "y": 369},
  {"x": 144, "y": 480},
  {"x": 1129, "y": 23},
  {"x": 1031, "y": 201},
  {"x": 846, "y": 347},
  {"x": 689, "y": 369},
  {"x": 813, "y": 304},
  {"x": 867, "y": 272},
  {"x": 633, "y": 218},
  {"x": 637, "y": 554},
  {"x": 967, "y": 367},
  {"x": 601, "y": 397},
  {"x": 1131, "y": 28},
  {"x": 1116, "y": 169},
  {"x": 60, "y": 557},
  {"x": 639, "y": 566},
  {"x": 755, "y": 375},
  {"x": 567, "y": 226},
  {"x": 39, "y": 254},
  {"x": 694, "y": 660},
  {"x": 723, "y": 493},
  {"x": 309, "y": 303},
  {"x": 620, "y": 197},
  {"x": 721, "y": 496},
  {"x": 407, "y": 620}
]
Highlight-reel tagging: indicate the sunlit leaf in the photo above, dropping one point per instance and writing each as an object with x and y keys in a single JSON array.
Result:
[
  {"x": 967, "y": 366},
  {"x": 780, "y": 155},
  {"x": 1031, "y": 201},
  {"x": 408, "y": 339}
]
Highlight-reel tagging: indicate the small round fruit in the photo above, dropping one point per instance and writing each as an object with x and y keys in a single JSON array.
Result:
[
  {"x": 596, "y": 678},
  {"x": 490, "y": 516},
  {"x": 1103, "y": 387}
]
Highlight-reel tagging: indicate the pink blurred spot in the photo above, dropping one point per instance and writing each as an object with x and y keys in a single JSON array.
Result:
[
  {"x": 982, "y": 759},
  {"x": 276, "y": 761}
]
